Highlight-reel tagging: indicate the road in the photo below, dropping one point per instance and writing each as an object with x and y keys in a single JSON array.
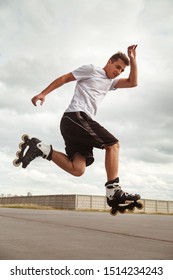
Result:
[{"x": 28, "y": 234}]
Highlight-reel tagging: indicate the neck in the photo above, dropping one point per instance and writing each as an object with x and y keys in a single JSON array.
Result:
[{"x": 105, "y": 69}]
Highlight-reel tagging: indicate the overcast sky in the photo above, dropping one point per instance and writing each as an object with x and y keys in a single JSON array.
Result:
[{"x": 43, "y": 39}]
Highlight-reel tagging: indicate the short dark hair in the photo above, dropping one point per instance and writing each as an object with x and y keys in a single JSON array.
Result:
[{"x": 120, "y": 55}]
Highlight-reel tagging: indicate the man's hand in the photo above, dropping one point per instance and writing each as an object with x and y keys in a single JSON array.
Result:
[
  {"x": 38, "y": 97},
  {"x": 132, "y": 51}
]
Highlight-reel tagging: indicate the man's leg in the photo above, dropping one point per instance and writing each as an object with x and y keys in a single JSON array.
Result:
[
  {"x": 111, "y": 166},
  {"x": 111, "y": 161},
  {"x": 114, "y": 193},
  {"x": 75, "y": 167}
]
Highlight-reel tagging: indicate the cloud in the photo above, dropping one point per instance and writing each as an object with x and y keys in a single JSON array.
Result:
[{"x": 41, "y": 40}]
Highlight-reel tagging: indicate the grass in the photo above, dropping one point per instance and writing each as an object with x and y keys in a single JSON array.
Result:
[
  {"x": 42, "y": 207},
  {"x": 27, "y": 206}
]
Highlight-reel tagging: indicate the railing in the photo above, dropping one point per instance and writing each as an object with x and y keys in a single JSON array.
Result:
[{"x": 84, "y": 202}]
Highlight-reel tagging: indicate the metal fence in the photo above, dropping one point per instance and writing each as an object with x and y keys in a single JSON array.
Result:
[{"x": 84, "y": 202}]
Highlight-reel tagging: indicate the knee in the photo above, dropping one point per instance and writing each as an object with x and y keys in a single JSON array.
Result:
[
  {"x": 79, "y": 165},
  {"x": 79, "y": 172}
]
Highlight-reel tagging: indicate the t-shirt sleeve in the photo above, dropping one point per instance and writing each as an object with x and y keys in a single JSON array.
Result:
[
  {"x": 83, "y": 72},
  {"x": 114, "y": 84}
]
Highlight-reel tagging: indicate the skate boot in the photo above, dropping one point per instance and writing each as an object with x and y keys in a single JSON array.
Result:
[
  {"x": 30, "y": 149},
  {"x": 119, "y": 200}
]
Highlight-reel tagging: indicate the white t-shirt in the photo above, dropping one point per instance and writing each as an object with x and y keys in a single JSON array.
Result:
[{"x": 91, "y": 87}]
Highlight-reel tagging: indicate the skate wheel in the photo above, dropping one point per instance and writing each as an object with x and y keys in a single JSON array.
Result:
[
  {"x": 139, "y": 205},
  {"x": 25, "y": 137},
  {"x": 15, "y": 163},
  {"x": 131, "y": 208},
  {"x": 113, "y": 212},
  {"x": 122, "y": 211},
  {"x": 21, "y": 145},
  {"x": 18, "y": 153}
]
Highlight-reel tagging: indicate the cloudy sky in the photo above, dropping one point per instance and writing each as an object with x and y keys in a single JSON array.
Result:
[{"x": 43, "y": 39}]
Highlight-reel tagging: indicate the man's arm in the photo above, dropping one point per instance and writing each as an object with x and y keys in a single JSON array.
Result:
[
  {"x": 55, "y": 84},
  {"x": 132, "y": 80}
]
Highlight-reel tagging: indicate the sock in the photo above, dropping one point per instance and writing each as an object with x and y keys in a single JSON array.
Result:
[
  {"x": 112, "y": 182},
  {"x": 110, "y": 187},
  {"x": 47, "y": 150}
]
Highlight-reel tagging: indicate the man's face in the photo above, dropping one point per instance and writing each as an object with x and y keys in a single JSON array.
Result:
[{"x": 114, "y": 69}]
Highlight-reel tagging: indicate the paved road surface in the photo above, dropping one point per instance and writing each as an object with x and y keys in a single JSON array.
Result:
[{"x": 60, "y": 235}]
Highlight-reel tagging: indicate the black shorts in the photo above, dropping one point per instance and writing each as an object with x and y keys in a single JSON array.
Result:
[{"x": 81, "y": 134}]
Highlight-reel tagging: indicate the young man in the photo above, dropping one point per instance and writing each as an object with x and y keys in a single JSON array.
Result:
[{"x": 80, "y": 132}]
